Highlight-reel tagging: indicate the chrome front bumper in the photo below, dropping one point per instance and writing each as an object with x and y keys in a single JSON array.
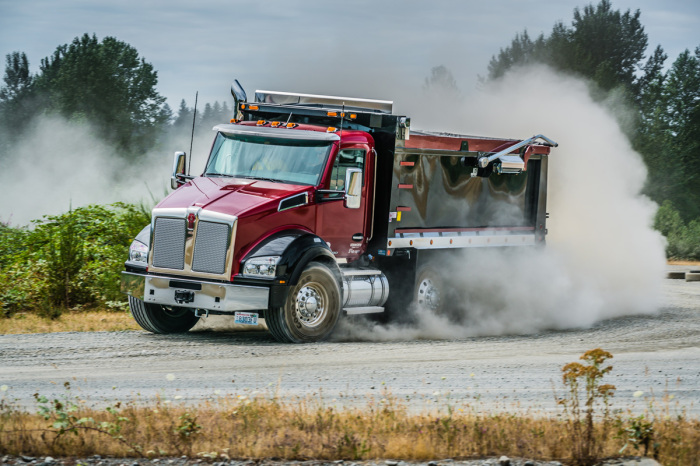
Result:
[{"x": 221, "y": 297}]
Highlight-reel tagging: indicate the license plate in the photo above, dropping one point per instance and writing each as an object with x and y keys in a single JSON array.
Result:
[{"x": 246, "y": 318}]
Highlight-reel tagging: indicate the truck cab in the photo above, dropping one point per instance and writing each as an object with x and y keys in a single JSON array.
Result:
[{"x": 311, "y": 207}]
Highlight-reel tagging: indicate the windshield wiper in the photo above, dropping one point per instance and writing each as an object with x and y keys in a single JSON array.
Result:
[
  {"x": 216, "y": 174},
  {"x": 260, "y": 178}
]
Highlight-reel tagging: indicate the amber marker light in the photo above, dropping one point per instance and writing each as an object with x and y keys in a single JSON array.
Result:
[
  {"x": 261, "y": 122},
  {"x": 331, "y": 129},
  {"x": 353, "y": 116},
  {"x": 333, "y": 114},
  {"x": 253, "y": 107}
]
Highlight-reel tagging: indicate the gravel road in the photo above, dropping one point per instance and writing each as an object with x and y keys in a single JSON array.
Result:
[{"x": 654, "y": 356}]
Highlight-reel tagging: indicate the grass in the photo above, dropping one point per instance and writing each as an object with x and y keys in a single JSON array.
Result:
[
  {"x": 690, "y": 263},
  {"x": 72, "y": 321},
  {"x": 241, "y": 427}
]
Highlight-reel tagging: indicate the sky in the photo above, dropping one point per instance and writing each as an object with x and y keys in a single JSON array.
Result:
[{"x": 359, "y": 48}]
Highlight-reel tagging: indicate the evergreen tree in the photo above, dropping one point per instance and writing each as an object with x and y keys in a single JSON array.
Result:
[
  {"x": 16, "y": 103},
  {"x": 184, "y": 116},
  {"x": 105, "y": 83},
  {"x": 602, "y": 44}
]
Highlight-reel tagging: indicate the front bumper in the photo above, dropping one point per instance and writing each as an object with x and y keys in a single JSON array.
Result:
[{"x": 212, "y": 296}]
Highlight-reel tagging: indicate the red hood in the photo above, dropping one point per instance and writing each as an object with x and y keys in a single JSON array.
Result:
[{"x": 234, "y": 196}]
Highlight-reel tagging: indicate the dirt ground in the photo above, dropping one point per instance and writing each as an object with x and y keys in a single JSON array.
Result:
[{"x": 656, "y": 363}]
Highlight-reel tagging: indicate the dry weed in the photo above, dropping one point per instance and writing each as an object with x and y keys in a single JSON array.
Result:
[{"x": 77, "y": 321}]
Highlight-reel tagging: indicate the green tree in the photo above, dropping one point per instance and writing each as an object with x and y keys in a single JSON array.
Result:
[
  {"x": 680, "y": 105},
  {"x": 15, "y": 98},
  {"x": 602, "y": 44},
  {"x": 109, "y": 85},
  {"x": 184, "y": 116}
]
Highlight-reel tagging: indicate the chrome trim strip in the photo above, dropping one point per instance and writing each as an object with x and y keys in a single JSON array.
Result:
[
  {"x": 471, "y": 239},
  {"x": 363, "y": 310},
  {"x": 231, "y": 298},
  {"x": 359, "y": 272},
  {"x": 277, "y": 133}
]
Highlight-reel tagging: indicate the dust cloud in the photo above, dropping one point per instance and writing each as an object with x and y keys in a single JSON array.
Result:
[
  {"x": 603, "y": 259},
  {"x": 62, "y": 164}
]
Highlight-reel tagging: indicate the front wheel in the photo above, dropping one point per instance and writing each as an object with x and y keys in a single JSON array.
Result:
[
  {"x": 311, "y": 310},
  {"x": 162, "y": 319}
]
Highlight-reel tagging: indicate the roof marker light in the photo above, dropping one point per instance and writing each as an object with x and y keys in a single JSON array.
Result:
[
  {"x": 353, "y": 116},
  {"x": 253, "y": 107},
  {"x": 275, "y": 124},
  {"x": 333, "y": 114},
  {"x": 331, "y": 129},
  {"x": 261, "y": 122},
  {"x": 292, "y": 125}
]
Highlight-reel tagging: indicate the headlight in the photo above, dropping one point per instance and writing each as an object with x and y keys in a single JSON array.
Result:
[
  {"x": 261, "y": 266},
  {"x": 138, "y": 252}
]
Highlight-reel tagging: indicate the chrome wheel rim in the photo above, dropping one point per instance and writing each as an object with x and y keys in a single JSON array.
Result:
[
  {"x": 311, "y": 305},
  {"x": 428, "y": 295}
]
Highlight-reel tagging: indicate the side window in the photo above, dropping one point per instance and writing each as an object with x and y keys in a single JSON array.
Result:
[{"x": 347, "y": 158}]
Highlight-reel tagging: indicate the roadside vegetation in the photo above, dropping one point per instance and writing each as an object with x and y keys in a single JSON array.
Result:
[
  {"x": 230, "y": 426},
  {"x": 68, "y": 262}
]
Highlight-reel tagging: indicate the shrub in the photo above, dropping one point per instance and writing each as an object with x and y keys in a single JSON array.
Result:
[
  {"x": 68, "y": 260},
  {"x": 683, "y": 241}
]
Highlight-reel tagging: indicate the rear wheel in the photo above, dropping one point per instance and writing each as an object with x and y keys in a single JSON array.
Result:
[
  {"x": 430, "y": 291},
  {"x": 311, "y": 310},
  {"x": 437, "y": 292},
  {"x": 162, "y": 319}
]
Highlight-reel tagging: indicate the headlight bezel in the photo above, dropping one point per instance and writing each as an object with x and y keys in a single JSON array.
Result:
[
  {"x": 138, "y": 252},
  {"x": 260, "y": 267}
]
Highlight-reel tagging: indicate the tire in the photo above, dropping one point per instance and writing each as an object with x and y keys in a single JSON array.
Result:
[
  {"x": 312, "y": 309},
  {"x": 161, "y": 319}
]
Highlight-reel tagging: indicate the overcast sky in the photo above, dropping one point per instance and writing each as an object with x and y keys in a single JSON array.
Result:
[{"x": 360, "y": 48}]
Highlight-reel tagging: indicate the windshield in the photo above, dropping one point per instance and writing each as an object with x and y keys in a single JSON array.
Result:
[{"x": 289, "y": 161}]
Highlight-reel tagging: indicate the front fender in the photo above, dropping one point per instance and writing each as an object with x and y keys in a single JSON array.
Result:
[
  {"x": 296, "y": 249},
  {"x": 301, "y": 251}
]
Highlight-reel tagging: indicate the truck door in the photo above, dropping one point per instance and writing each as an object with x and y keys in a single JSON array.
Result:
[{"x": 348, "y": 230}]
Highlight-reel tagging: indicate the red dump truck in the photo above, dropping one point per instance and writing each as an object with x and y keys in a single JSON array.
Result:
[{"x": 313, "y": 207}]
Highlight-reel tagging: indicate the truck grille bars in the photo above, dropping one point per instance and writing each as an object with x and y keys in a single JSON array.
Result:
[
  {"x": 169, "y": 243},
  {"x": 192, "y": 242}
]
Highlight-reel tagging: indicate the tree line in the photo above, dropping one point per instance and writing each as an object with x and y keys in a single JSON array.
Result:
[
  {"x": 607, "y": 47},
  {"x": 106, "y": 84}
]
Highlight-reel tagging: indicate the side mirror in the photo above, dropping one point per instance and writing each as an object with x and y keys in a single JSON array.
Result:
[
  {"x": 353, "y": 188},
  {"x": 179, "y": 170}
]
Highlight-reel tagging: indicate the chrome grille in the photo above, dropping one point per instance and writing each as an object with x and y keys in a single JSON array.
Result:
[
  {"x": 210, "y": 247},
  {"x": 169, "y": 243}
]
